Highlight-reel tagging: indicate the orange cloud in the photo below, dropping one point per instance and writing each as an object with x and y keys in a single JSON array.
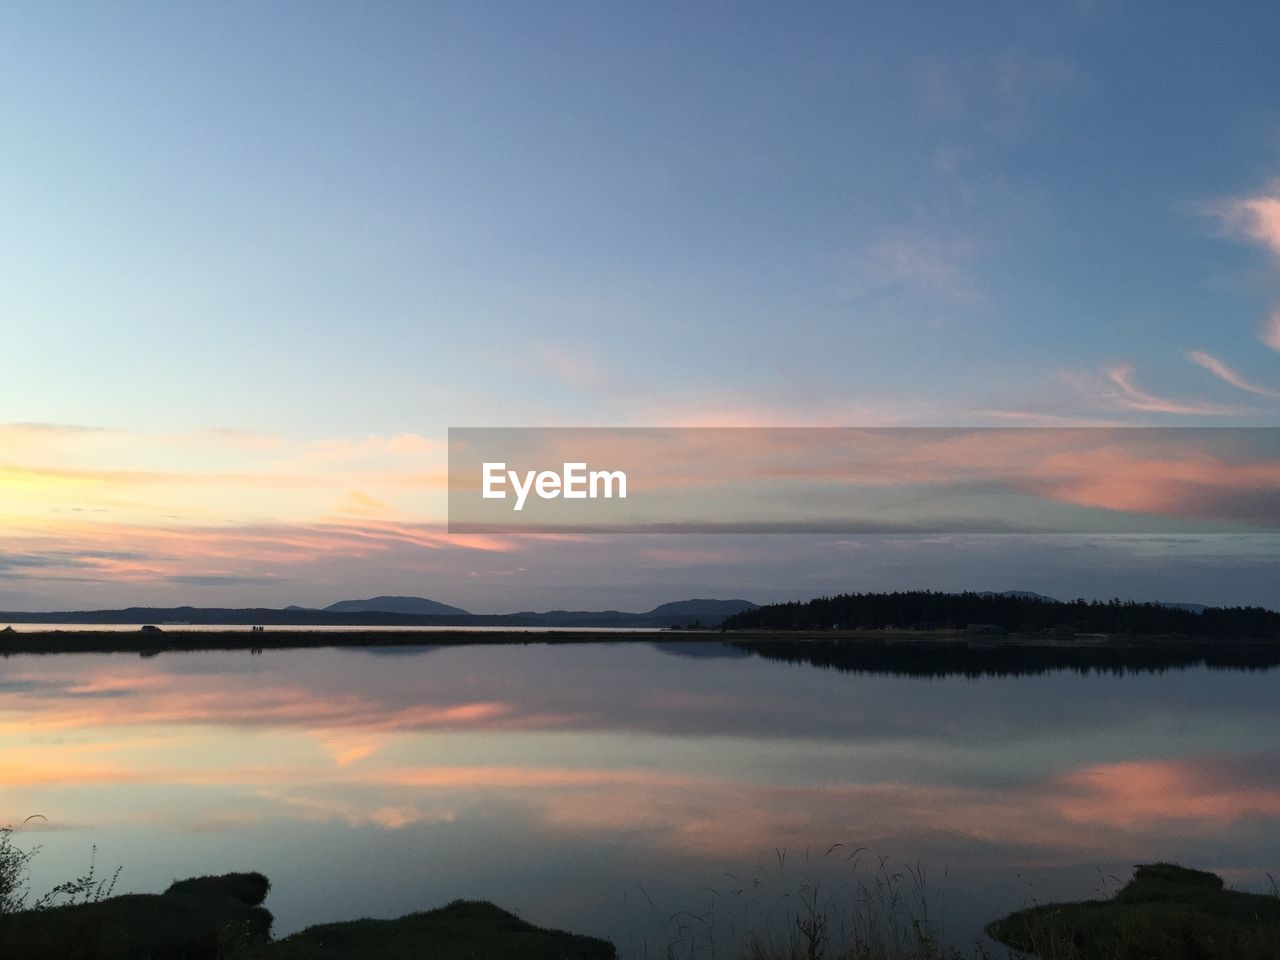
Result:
[{"x": 215, "y": 476}]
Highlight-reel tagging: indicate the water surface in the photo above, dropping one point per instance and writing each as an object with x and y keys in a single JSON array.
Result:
[{"x": 601, "y": 787}]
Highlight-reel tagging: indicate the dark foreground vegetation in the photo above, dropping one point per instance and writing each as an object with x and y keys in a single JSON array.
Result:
[
  {"x": 1165, "y": 911},
  {"x": 463, "y": 930},
  {"x": 195, "y": 918},
  {"x": 222, "y": 918},
  {"x": 927, "y": 610}
]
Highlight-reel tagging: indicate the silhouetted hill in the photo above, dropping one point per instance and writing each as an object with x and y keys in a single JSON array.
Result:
[
  {"x": 705, "y": 610},
  {"x": 414, "y": 606}
]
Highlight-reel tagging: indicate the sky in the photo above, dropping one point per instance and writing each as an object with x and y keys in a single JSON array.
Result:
[{"x": 258, "y": 258}]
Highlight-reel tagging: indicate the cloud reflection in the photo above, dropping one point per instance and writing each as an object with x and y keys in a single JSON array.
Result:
[{"x": 615, "y": 742}]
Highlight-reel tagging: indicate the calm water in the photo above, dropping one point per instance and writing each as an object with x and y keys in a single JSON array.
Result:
[
  {"x": 304, "y": 628},
  {"x": 575, "y": 784}
]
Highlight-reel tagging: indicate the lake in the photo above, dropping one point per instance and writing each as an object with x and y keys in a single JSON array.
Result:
[
  {"x": 605, "y": 787},
  {"x": 20, "y": 627}
]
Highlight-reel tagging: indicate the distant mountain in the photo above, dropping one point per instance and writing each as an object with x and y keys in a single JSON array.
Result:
[
  {"x": 704, "y": 610},
  {"x": 681, "y": 613},
  {"x": 1193, "y": 607},
  {"x": 1018, "y": 595},
  {"x": 413, "y": 606},
  {"x": 1029, "y": 595}
]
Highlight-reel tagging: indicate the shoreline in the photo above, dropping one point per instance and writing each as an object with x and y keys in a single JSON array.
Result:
[
  {"x": 244, "y": 638},
  {"x": 1163, "y": 910},
  {"x": 176, "y": 640}
]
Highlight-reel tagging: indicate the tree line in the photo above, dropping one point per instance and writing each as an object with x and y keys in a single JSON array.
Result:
[{"x": 930, "y": 610}]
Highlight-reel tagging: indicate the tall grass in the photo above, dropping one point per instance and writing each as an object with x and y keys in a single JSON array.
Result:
[
  {"x": 15, "y": 873},
  {"x": 15, "y": 879},
  {"x": 840, "y": 905}
]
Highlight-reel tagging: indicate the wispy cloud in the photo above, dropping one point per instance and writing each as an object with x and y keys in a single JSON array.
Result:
[
  {"x": 1040, "y": 418},
  {"x": 918, "y": 264},
  {"x": 47, "y": 476},
  {"x": 1254, "y": 218},
  {"x": 1270, "y": 334},
  {"x": 1228, "y": 375},
  {"x": 218, "y": 475},
  {"x": 9, "y": 430},
  {"x": 1134, "y": 398},
  {"x": 234, "y": 556}
]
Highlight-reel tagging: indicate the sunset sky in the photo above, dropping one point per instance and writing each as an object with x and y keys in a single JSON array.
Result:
[{"x": 258, "y": 258}]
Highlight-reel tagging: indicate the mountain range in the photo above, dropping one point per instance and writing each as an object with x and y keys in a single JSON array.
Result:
[
  {"x": 420, "y": 611},
  {"x": 399, "y": 611}
]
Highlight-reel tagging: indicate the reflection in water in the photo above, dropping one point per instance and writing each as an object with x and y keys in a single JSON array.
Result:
[
  {"x": 933, "y": 658},
  {"x": 559, "y": 780}
]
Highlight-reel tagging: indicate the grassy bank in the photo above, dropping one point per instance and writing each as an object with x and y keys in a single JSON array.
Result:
[{"x": 1165, "y": 911}]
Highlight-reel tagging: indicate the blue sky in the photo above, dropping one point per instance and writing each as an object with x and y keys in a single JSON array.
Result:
[{"x": 326, "y": 226}]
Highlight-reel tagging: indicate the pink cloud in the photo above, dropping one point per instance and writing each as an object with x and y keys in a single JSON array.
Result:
[
  {"x": 1254, "y": 218},
  {"x": 1136, "y": 793},
  {"x": 1228, "y": 375},
  {"x": 1115, "y": 479},
  {"x": 1135, "y": 398},
  {"x": 1271, "y": 331},
  {"x": 1191, "y": 475},
  {"x": 1034, "y": 418}
]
